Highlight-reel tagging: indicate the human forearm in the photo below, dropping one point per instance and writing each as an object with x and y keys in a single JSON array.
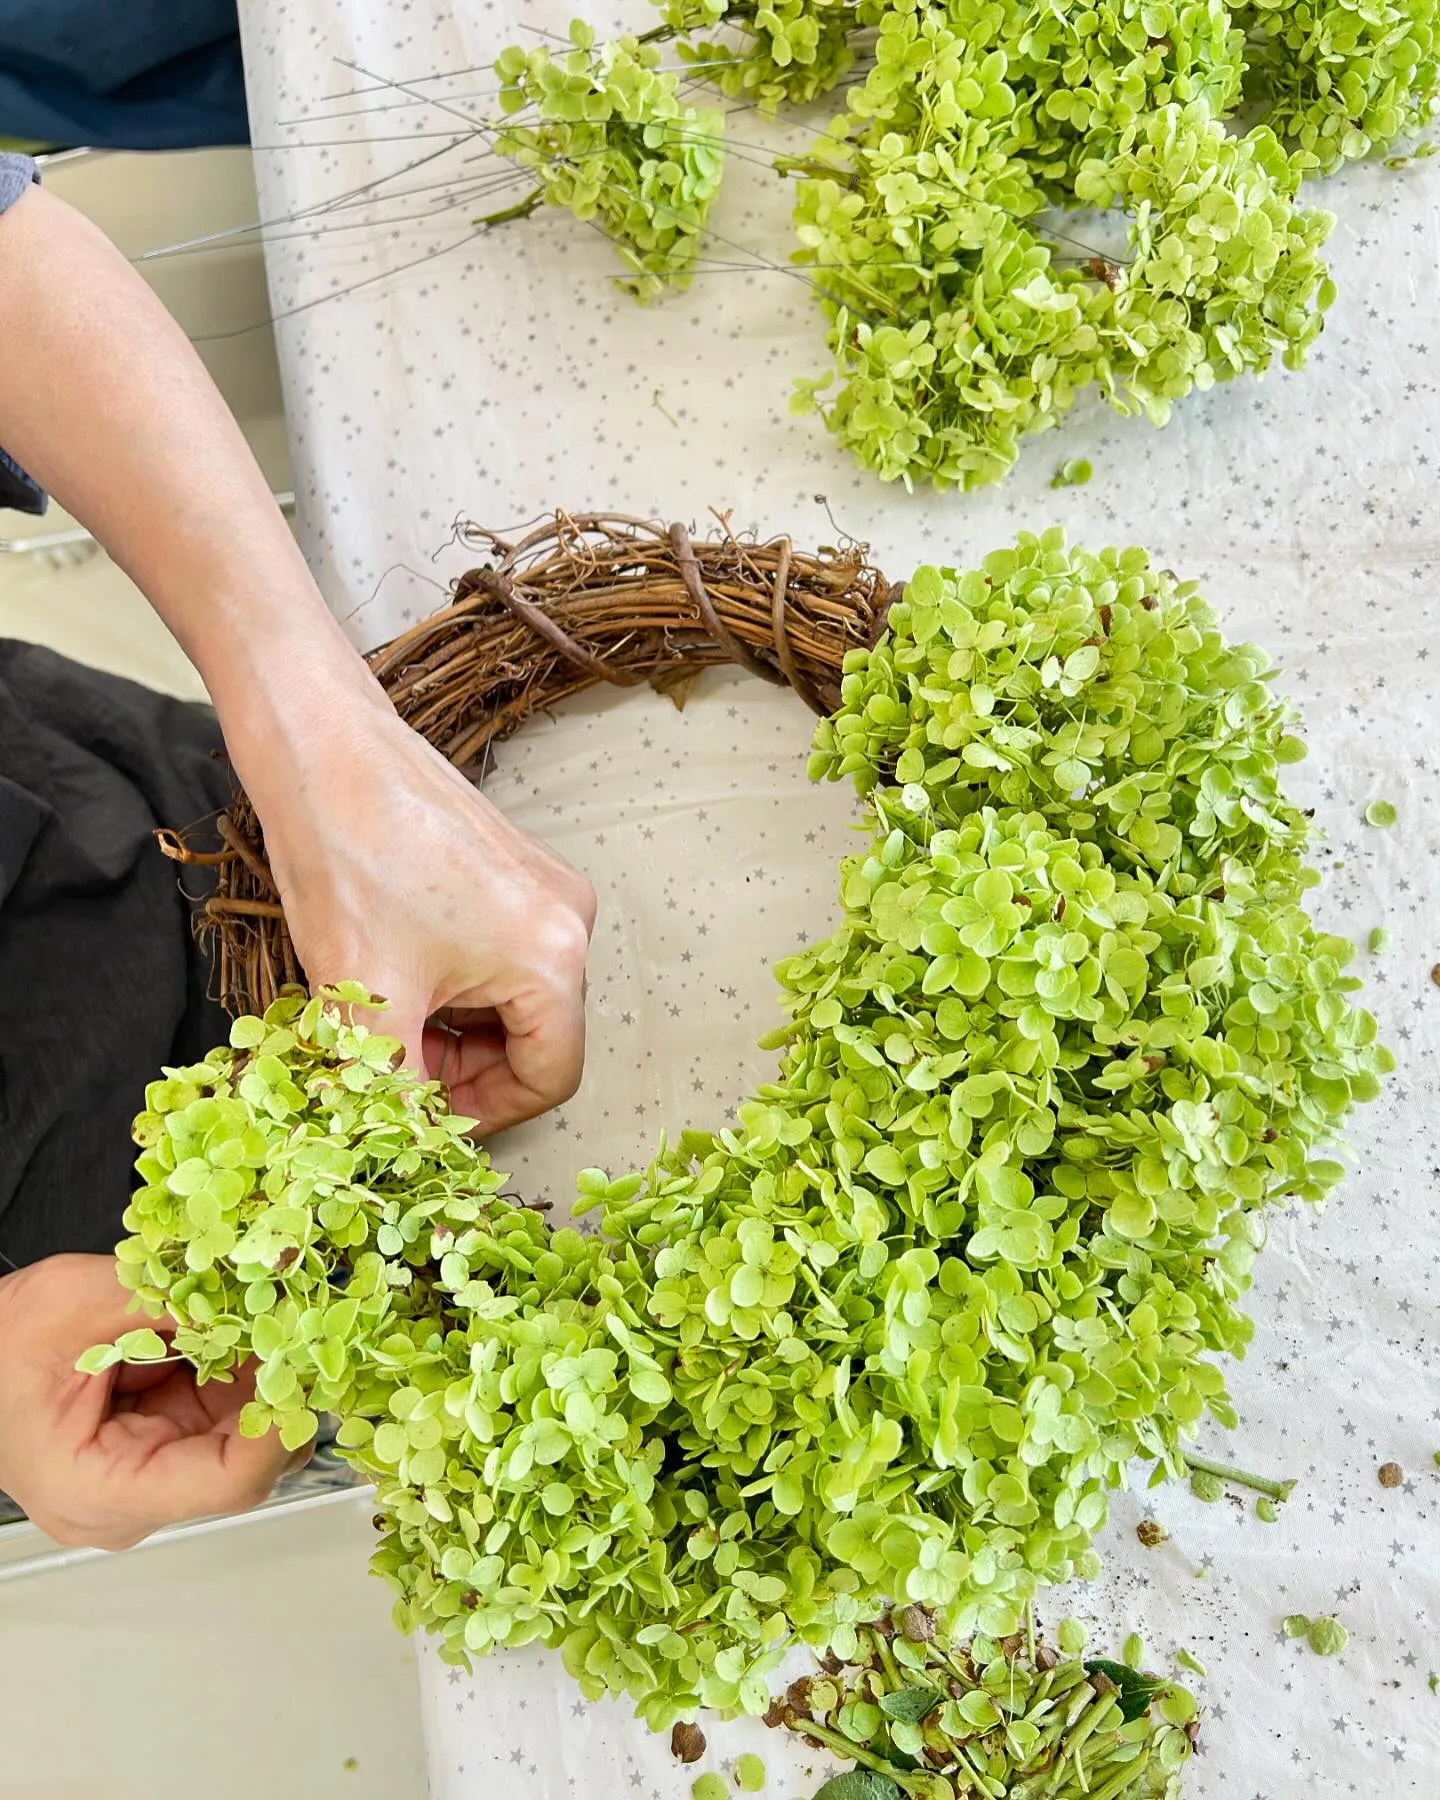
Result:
[
  {"x": 392, "y": 870},
  {"x": 106, "y": 403}
]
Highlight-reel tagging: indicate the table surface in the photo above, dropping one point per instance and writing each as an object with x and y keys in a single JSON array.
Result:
[{"x": 434, "y": 372}]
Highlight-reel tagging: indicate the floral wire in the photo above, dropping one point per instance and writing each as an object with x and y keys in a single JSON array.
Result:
[{"x": 292, "y": 312}]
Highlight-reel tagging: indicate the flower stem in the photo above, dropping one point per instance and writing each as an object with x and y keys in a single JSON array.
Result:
[
  {"x": 522, "y": 209},
  {"x": 843, "y": 1746},
  {"x": 1262, "y": 1484}
]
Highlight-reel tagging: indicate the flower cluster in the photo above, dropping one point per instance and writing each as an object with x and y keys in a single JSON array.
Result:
[
  {"x": 963, "y": 318},
  {"x": 949, "y": 214},
  {"x": 897, "y": 1332},
  {"x": 771, "y": 50},
  {"x": 612, "y": 141}
]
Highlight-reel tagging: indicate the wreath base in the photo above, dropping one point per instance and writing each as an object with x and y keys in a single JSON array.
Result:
[{"x": 580, "y": 599}]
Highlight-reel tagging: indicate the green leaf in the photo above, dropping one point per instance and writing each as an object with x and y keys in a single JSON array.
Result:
[
  {"x": 886, "y": 1164},
  {"x": 1132, "y": 1215},
  {"x": 1326, "y": 1637},
  {"x": 649, "y": 1386},
  {"x": 1176, "y": 1705},
  {"x": 858, "y": 1784},
  {"x": 255, "y": 1419},
  {"x": 298, "y": 1428},
  {"x": 1137, "y": 1691},
  {"x": 978, "y": 1710},
  {"x": 788, "y": 1492},
  {"x": 909, "y": 1704},
  {"x": 1072, "y": 1638},
  {"x": 142, "y": 1346}
]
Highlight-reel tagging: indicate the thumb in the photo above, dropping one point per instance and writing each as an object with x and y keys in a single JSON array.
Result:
[
  {"x": 90, "y": 1307},
  {"x": 207, "y": 1475},
  {"x": 175, "y": 1467},
  {"x": 88, "y": 1303},
  {"x": 404, "y": 1018}
]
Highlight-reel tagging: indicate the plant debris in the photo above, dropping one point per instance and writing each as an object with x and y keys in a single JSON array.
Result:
[
  {"x": 1326, "y": 1636},
  {"x": 992, "y": 1717},
  {"x": 687, "y": 1742},
  {"x": 749, "y": 1773},
  {"x": 1074, "y": 473}
]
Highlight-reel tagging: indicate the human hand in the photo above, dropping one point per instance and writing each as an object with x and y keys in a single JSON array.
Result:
[
  {"x": 107, "y": 1459},
  {"x": 392, "y": 870},
  {"x": 396, "y": 872}
]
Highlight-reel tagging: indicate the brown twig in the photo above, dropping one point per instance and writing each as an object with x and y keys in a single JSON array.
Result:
[
  {"x": 238, "y": 846},
  {"x": 220, "y": 908},
  {"x": 173, "y": 846},
  {"x": 576, "y": 600}
]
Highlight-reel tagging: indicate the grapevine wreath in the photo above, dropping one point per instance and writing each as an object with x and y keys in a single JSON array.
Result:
[{"x": 893, "y": 1335}]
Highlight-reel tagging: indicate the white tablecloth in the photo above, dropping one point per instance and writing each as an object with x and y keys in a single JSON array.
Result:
[{"x": 431, "y": 373}]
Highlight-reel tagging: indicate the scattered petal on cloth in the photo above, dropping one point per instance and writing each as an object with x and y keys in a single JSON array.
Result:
[{"x": 500, "y": 377}]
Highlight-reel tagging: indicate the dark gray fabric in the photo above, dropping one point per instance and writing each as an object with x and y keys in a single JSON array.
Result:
[
  {"x": 101, "y": 981},
  {"x": 17, "y": 490}
]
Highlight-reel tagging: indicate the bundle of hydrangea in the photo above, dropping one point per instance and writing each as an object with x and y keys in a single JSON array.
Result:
[
  {"x": 964, "y": 313},
  {"x": 896, "y": 1333}
]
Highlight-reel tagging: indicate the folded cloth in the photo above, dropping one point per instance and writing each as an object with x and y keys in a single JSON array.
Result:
[
  {"x": 17, "y": 490},
  {"x": 101, "y": 980},
  {"x": 143, "y": 75}
]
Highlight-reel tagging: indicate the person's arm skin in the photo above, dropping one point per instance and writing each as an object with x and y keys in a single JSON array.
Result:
[{"x": 393, "y": 870}]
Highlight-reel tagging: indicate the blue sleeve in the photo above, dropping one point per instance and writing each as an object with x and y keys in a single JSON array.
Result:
[
  {"x": 17, "y": 490},
  {"x": 16, "y": 174}
]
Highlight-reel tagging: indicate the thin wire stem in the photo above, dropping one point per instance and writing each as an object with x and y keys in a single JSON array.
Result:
[
  {"x": 216, "y": 337},
  {"x": 304, "y": 212}
]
